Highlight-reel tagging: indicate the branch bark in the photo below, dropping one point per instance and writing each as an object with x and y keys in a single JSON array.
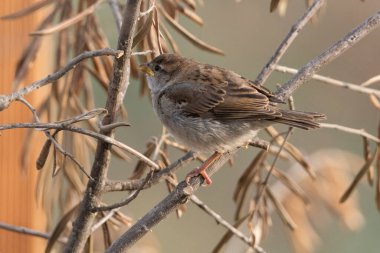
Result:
[
  {"x": 28, "y": 231},
  {"x": 82, "y": 225},
  {"x": 178, "y": 196}
]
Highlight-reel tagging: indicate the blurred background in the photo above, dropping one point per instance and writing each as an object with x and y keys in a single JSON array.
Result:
[{"x": 248, "y": 34}]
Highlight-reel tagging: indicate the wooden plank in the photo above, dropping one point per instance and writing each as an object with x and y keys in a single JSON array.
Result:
[{"x": 17, "y": 187}]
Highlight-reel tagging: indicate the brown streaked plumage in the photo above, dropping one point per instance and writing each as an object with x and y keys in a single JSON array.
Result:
[{"x": 209, "y": 108}]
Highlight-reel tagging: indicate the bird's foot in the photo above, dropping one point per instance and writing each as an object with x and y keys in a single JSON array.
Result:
[{"x": 196, "y": 172}]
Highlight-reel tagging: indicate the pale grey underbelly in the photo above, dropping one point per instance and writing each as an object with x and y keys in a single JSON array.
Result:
[{"x": 207, "y": 135}]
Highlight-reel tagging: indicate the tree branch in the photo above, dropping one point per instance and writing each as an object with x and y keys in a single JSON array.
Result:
[
  {"x": 6, "y": 100},
  {"x": 332, "y": 81},
  {"x": 120, "y": 78},
  {"x": 305, "y": 73},
  {"x": 293, "y": 33},
  {"x": 28, "y": 231},
  {"x": 178, "y": 196},
  {"x": 63, "y": 125},
  {"x": 360, "y": 132},
  {"x": 135, "y": 184},
  {"x": 128, "y": 200},
  {"x": 219, "y": 219}
]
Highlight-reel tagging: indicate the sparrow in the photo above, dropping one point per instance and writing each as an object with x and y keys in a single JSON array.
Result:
[{"x": 211, "y": 109}]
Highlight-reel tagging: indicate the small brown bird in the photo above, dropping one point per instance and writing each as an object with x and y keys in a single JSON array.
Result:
[{"x": 211, "y": 109}]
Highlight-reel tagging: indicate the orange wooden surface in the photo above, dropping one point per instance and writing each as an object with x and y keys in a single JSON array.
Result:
[{"x": 17, "y": 198}]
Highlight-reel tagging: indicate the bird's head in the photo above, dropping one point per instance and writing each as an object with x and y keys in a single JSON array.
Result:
[{"x": 163, "y": 70}]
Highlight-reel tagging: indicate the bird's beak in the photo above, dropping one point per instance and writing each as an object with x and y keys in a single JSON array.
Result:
[{"x": 144, "y": 68}]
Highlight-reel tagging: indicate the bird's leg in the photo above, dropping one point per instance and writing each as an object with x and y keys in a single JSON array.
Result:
[{"x": 202, "y": 170}]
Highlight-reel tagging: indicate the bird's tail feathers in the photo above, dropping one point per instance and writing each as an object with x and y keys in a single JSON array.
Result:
[{"x": 304, "y": 120}]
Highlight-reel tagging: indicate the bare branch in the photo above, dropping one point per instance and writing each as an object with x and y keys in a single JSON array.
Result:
[
  {"x": 116, "y": 91},
  {"x": 332, "y": 81},
  {"x": 360, "y": 132},
  {"x": 52, "y": 139},
  {"x": 156, "y": 178},
  {"x": 6, "y": 100},
  {"x": 128, "y": 200},
  {"x": 219, "y": 219},
  {"x": 293, "y": 33},
  {"x": 63, "y": 126},
  {"x": 104, "y": 219},
  {"x": 178, "y": 196},
  {"x": 371, "y": 81},
  {"x": 28, "y": 231},
  {"x": 264, "y": 184},
  {"x": 358, "y": 177},
  {"x": 305, "y": 73}
]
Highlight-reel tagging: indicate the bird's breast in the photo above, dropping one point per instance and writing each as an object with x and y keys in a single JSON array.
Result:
[{"x": 201, "y": 134}]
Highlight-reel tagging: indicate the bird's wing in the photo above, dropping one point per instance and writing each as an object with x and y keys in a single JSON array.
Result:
[
  {"x": 196, "y": 99},
  {"x": 228, "y": 100},
  {"x": 245, "y": 101}
]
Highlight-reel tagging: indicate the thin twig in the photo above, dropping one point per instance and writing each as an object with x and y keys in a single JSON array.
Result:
[
  {"x": 104, "y": 219},
  {"x": 128, "y": 200},
  {"x": 266, "y": 179},
  {"x": 178, "y": 196},
  {"x": 371, "y": 81},
  {"x": 114, "y": 185},
  {"x": 350, "y": 130},
  {"x": 306, "y": 72},
  {"x": 72, "y": 158},
  {"x": 294, "y": 30},
  {"x": 28, "y": 231},
  {"x": 52, "y": 139},
  {"x": 332, "y": 81},
  {"x": 219, "y": 219},
  {"x": 98, "y": 136},
  {"x": 6, "y": 100}
]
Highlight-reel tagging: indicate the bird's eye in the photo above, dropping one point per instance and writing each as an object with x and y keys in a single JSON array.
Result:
[{"x": 157, "y": 68}]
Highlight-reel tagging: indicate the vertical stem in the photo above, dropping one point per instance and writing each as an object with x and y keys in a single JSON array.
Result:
[{"x": 120, "y": 79}]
